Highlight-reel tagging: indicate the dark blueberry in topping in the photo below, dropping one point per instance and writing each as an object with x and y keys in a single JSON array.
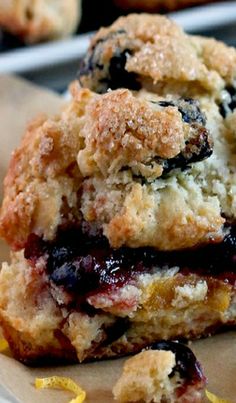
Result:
[
  {"x": 103, "y": 73},
  {"x": 88, "y": 65},
  {"x": 118, "y": 76},
  {"x": 191, "y": 112},
  {"x": 93, "y": 59},
  {"x": 197, "y": 148},
  {"x": 186, "y": 363},
  {"x": 189, "y": 109},
  {"x": 229, "y": 103},
  {"x": 164, "y": 104}
]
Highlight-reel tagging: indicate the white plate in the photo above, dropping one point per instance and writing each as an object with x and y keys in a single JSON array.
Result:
[
  {"x": 206, "y": 17},
  {"x": 46, "y": 56}
]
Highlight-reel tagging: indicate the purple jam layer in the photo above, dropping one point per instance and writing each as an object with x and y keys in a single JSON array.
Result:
[{"x": 83, "y": 262}]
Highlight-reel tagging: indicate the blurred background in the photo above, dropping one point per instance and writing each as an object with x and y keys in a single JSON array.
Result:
[{"x": 50, "y": 55}]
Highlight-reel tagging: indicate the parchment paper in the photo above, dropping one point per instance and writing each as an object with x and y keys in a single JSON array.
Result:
[{"x": 20, "y": 102}]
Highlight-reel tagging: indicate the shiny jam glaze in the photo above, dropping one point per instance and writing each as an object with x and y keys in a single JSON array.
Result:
[{"x": 83, "y": 262}]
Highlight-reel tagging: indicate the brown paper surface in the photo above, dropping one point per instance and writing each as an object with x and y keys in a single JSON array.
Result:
[{"x": 20, "y": 102}]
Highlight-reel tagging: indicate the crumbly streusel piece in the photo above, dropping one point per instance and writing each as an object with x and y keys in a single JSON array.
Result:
[
  {"x": 145, "y": 378},
  {"x": 39, "y": 20},
  {"x": 152, "y": 52},
  {"x": 161, "y": 376}
]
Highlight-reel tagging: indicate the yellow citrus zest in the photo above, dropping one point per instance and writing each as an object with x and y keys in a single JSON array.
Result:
[
  {"x": 60, "y": 382},
  {"x": 3, "y": 345},
  {"x": 214, "y": 399}
]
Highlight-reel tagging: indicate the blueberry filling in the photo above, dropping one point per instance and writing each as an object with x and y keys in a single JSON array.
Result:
[
  {"x": 83, "y": 264},
  {"x": 229, "y": 103},
  {"x": 187, "y": 365}
]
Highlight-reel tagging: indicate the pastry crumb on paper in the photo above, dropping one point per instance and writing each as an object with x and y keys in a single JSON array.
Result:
[{"x": 171, "y": 375}]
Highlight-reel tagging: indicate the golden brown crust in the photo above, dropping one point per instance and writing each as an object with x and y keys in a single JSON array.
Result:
[
  {"x": 43, "y": 179},
  {"x": 39, "y": 20},
  {"x": 31, "y": 354}
]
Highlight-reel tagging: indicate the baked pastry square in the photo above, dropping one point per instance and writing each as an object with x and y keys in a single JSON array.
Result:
[
  {"x": 120, "y": 212},
  {"x": 166, "y": 372},
  {"x": 40, "y": 20}
]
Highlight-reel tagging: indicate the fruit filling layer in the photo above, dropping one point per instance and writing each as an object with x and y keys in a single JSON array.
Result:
[{"x": 82, "y": 262}]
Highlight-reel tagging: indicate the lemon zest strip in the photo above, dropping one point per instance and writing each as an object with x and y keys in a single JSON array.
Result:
[
  {"x": 214, "y": 399},
  {"x": 78, "y": 399},
  {"x": 60, "y": 382},
  {"x": 3, "y": 345}
]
